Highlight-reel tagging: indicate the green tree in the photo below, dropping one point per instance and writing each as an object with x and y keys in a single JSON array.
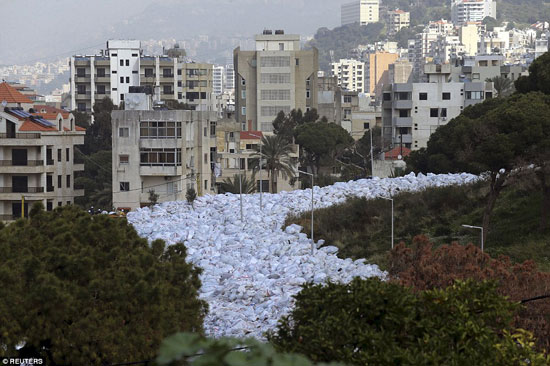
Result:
[
  {"x": 490, "y": 23},
  {"x": 87, "y": 290},
  {"x": 286, "y": 124},
  {"x": 371, "y": 322},
  {"x": 238, "y": 183},
  {"x": 276, "y": 158},
  {"x": 96, "y": 180},
  {"x": 502, "y": 85},
  {"x": 153, "y": 197},
  {"x": 539, "y": 76}
]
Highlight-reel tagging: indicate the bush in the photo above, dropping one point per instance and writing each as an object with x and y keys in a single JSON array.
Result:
[
  {"x": 87, "y": 290},
  {"x": 370, "y": 322}
]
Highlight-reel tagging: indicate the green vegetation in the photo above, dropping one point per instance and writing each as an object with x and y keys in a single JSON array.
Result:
[
  {"x": 235, "y": 185},
  {"x": 87, "y": 290},
  {"x": 362, "y": 228},
  {"x": 275, "y": 157},
  {"x": 371, "y": 322}
]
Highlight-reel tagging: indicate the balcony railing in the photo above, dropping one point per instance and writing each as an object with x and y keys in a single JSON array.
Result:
[
  {"x": 19, "y": 135},
  {"x": 8, "y": 217},
  {"x": 50, "y": 162},
  {"x": 21, "y": 163},
  {"x": 50, "y": 188},
  {"x": 21, "y": 189}
]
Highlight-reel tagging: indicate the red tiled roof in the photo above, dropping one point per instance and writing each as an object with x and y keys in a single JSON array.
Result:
[
  {"x": 48, "y": 109},
  {"x": 29, "y": 125},
  {"x": 78, "y": 128},
  {"x": 248, "y": 135},
  {"x": 11, "y": 95},
  {"x": 396, "y": 151},
  {"x": 47, "y": 116}
]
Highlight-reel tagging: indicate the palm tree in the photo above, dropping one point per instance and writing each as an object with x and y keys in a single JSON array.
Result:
[
  {"x": 502, "y": 85},
  {"x": 232, "y": 185},
  {"x": 276, "y": 158}
]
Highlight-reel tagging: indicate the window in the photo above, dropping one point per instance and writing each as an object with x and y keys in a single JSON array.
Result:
[
  {"x": 69, "y": 181},
  {"x": 160, "y": 157},
  {"x": 127, "y": 62},
  {"x": 275, "y": 61},
  {"x": 264, "y": 185},
  {"x": 297, "y": 62},
  {"x": 443, "y": 112},
  {"x": 59, "y": 181},
  {"x": 446, "y": 96},
  {"x": 68, "y": 203},
  {"x": 113, "y": 72},
  {"x": 101, "y": 72},
  {"x": 206, "y": 158},
  {"x": 101, "y": 89},
  {"x": 272, "y": 111},
  {"x": 308, "y": 93},
  {"x": 205, "y": 131},
  {"x": 386, "y": 96},
  {"x": 124, "y": 186},
  {"x": 434, "y": 112},
  {"x": 347, "y": 98},
  {"x": 206, "y": 184},
  {"x": 114, "y": 89},
  {"x": 276, "y": 94},
  {"x": 243, "y": 82},
  {"x": 122, "y": 79},
  {"x": 123, "y": 159},
  {"x": 179, "y": 82},
  {"x": 179, "y": 71},
  {"x": 127, "y": 80},
  {"x": 366, "y": 126},
  {"x": 243, "y": 94},
  {"x": 213, "y": 129},
  {"x": 243, "y": 111},
  {"x": 134, "y": 55},
  {"x": 81, "y": 72},
  {"x": 82, "y": 107},
  {"x": 149, "y": 73},
  {"x": 402, "y": 96},
  {"x": 474, "y": 95},
  {"x": 180, "y": 95},
  {"x": 167, "y": 73},
  {"x": 242, "y": 163},
  {"x": 67, "y": 154},
  {"x": 160, "y": 130},
  {"x": 404, "y": 112},
  {"x": 49, "y": 206},
  {"x": 277, "y": 78},
  {"x": 123, "y": 132},
  {"x": 281, "y": 46},
  {"x": 122, "y": 97},
  {"x": 81, "y": 89},
  {"x": 423, "y": 96},
  {"x": 121, "y": 62},
  {"x": 59, "y": 155},
  {"x": 167, "y": 89}
]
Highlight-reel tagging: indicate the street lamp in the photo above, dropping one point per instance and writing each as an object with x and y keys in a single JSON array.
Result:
[
  {"x": 390, "y": 199},
  {"x": 261, "y": 183},
  {"x": 312, "y": 241},
  {"x": 479, "y": 228}
]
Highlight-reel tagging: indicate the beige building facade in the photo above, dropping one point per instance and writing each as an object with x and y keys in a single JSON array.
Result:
[
  {"x": 397, "y": 20},
  {"x": 277, "y": 76},
  {"x": 360, "y": 11},
  {"x": 378, "y": 71}
]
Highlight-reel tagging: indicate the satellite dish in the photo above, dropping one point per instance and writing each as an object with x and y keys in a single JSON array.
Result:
[
  {"x": 399, "y": 157},
  {"x": 4, "y": 103}
]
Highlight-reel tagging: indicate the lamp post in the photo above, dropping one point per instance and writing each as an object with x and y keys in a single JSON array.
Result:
[
  {"x": 479, "y": 228},
  {"x": 312, "y": 241},
  {"x": 260, "y": 168},
  {"x": 390, "y": 199}
]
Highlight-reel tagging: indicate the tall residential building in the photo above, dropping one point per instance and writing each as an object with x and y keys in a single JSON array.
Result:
[
  {"x": 350, "y": 74},
  {"x": 37, "y": 153},
  {"x": 377, "y": 69},
  {"x": 463, "y": 11},
  {"x": 165, "y": 151},
  {"x": 122, "y": 65},
  {"x": 360, "y": 11},
  {"x": 229, "y": 80},
  {"x": 218, "y": 80},
  {"x": 398, "y": 19},
  {"x": 469, "y": 37},
  {"x": 277, "y": 76},
  {"x": 412, "y": 112}
]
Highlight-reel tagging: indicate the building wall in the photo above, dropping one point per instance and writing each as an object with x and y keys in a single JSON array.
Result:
[
  {"x": 360, "y": 11},
  {"x": 463, "y": 11},
  {"x": 350, "y": 74},
  {"x": 398, "y": 19},
  {"x": 379, "y": 63},
  {"x": 469, "y": 37}
]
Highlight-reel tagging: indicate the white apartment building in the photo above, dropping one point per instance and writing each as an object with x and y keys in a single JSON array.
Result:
[
  {"x": 229, "y": 78},
  {"x": 165, "y": 151},
  {"x": 218, "y": 80},
  {"x": 398, "y": 19},
  {"x": 37, "y": 155},
  {"x": 412, "y": 112},
  {"x": 350, "y": 74},
  {"x": 360, "y": 11},
  {"x": 122, "y": 65},
  {"x": 463, "y": 11},
  {"x": 277, "y": 76}
]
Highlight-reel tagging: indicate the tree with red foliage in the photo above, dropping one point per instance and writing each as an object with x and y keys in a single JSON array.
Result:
[{"x": 423, "y": 267}]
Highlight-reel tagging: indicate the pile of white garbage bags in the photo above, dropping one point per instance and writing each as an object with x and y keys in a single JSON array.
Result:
[{"x": 251, "y": 268}]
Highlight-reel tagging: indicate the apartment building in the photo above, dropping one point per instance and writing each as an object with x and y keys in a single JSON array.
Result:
[
  {"x": 229, "y": 78},
  {"x": 122, "y": 65},
  {"x": 165, "y": 151},
  {"x": 398, "y": 19},
  {"x": 412, "y": 112},
  {"x": 277, "y": 76},
  {"x": 218, "y": 78},
  {"x": 360, "y": 11},
  {"x": 463, "y": 11},
  {"x": 350, "y": 74},
  {"x": 377, "y": 69},
  {"x": 235, "y": 154},
  {"x": 37, "y": 155}
]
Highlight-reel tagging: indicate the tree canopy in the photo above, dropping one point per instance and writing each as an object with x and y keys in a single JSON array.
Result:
[
  {"x": 372, "y": 322},
  {"x": 87, "y": 290}
]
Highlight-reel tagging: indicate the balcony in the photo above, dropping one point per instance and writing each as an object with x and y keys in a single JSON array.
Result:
[
  {"x": 20, "y": 139},
  {"x": 83, "y": 96},
  {"x": 402, "y": 121},
  {"x": 402, "y": 104},
  {"x": 407, "y": 139},
  {"x": 83, "y": 78},
  {"x": 102, "y": 79},
  {"x": 170, "y": 170},
  {"x": 22, "y": 163},
  {"x": 21, "y": 189}
]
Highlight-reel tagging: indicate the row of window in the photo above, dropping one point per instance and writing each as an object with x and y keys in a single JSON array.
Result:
[
  {"x": 472, "y": 95},
  {"x": 160, "y": 130},
  {"x": 277, "y": 94},
  {"x": 160, "y": 157}
]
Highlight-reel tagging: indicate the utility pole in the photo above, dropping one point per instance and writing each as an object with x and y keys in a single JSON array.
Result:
[{"x": 371, "y": 155}]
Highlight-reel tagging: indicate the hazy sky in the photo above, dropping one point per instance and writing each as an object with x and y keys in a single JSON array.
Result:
[{"x": 39, "y": 29}]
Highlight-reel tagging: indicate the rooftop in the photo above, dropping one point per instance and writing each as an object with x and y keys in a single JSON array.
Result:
[{"x": 9, "y": 94}]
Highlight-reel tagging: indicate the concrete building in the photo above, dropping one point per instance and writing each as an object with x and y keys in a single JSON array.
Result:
[
  {"x": 122, "y": 65},
  {"x": 37, "y": 155},
  {"x": 229, "y": 80},
  {"x": 350, "y": 74},
  {"x": 218, "y": 80},
  {"x": 398, "y": 19},
  {"x": 463, "y": 11},
  {"x": 360, "y": 11},
  {"x": 469, "y": 37},
  {"x": 377, "y": 69},
  {"x": 166, "y": 151},
  {"x": 401, "y": 71},
  {"x": 277, "y": 76},
  {"x": 412, "y": 112}
]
